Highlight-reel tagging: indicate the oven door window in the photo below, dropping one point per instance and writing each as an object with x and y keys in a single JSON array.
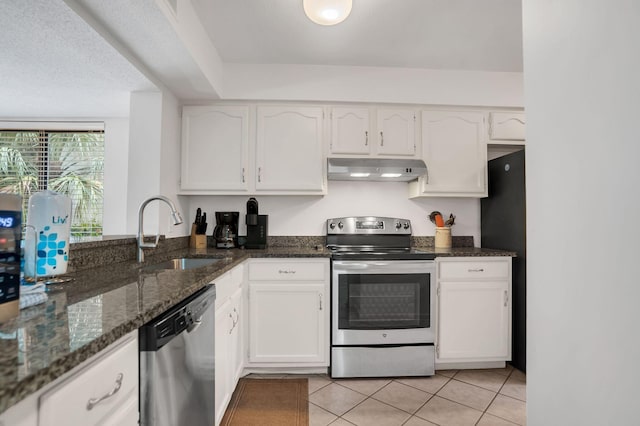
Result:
[{"x": 383, "y": 301}]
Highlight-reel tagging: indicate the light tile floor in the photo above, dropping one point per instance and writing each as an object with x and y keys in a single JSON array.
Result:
[{"x": 495, "y": 397}]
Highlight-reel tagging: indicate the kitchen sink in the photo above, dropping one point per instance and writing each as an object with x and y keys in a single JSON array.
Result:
[{"x": 180, "y": 264}]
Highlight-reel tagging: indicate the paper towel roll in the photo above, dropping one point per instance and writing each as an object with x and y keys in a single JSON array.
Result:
[{"x": 50, "y": 214}]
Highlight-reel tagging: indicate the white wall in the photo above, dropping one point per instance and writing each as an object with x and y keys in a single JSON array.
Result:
[
  {"x": 154, "y": 161},
  {"x": 170, "y": 166},
  {"x": 582, "y": 92},
  {"x": 371, "y": 84},
  {"x": 307, "y": 215},
  {"x": 145, "y": 131},
  {"x": 116, "y": 148}
]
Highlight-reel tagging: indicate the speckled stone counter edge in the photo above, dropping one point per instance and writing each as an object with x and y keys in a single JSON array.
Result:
[{"x": 122, "y": 252}]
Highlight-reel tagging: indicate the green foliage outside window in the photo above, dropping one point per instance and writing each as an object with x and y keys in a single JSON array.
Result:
[{"x": 71, "y": 163}]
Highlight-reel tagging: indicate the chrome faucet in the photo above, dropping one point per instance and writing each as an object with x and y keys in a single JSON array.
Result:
[{"x": 177, "y": 220}]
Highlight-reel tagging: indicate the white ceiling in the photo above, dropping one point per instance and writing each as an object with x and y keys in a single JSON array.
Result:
[
  {"x": 435, "y": 34},
  {"x": 56, "y": 63}
]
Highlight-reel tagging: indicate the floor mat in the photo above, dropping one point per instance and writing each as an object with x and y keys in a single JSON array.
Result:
[{"x": 265, "y": 402}]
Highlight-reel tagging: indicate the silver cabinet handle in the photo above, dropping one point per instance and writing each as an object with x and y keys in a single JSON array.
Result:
[
  {"x": 320, "y": 300},
  {"x": 259, "y": 174},
  {"x": 234, "y": 321},
  {"x": 476, "y": 270},
  {"x": 95, "y": 401},
  {"x": 287, "y": 271},
  {"x": 506, "y": 298},
  {"x": 243, "y": 175},
  {"x": 366, "y": 138},
  {"x": 381, "y": 139}
]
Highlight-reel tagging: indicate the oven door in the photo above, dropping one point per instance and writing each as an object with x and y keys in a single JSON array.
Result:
[{"x": 383, "y": 302}]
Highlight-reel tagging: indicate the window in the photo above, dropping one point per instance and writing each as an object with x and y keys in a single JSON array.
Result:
[{"x": 68, "y": 162}]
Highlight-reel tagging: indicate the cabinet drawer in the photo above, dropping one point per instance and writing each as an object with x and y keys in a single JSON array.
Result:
[
  {"x": 470, "y": 270},
  {"x": 227, "y": 284},
  {"x": 70, "y": 400},
  {"x": 288, "y": 271}
]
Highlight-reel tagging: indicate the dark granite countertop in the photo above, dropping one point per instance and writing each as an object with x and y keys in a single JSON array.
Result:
[{"x": 104, "y": 303}]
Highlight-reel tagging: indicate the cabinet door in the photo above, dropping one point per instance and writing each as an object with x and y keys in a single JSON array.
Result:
[
  {"x": 455, "y": 151},
  {"x": 507, "y": 127},
  {"x": 396, "y": 132},
  {"x": 287, "y": 323},
  {"x": 350, "y": 131},
  {"x": 215, "y": 148},
  {"x": 109, "y": 385},
  {"x": 235, "y": 339},
  {"x": 224, "y": 387},
  {"x": 289, "y": 149},
  {"x": 473, "y": 320}
]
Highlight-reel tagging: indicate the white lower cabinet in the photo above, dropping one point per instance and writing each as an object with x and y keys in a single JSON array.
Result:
[
  {"x": 288, "y": 313},
  {"x": 228, "y": 337},
  {"x": 101, "y": 391},
  {"x": 473, "y": 310}
]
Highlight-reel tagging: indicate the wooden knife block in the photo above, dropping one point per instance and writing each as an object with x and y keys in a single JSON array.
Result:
[{"x": 197, "y": 241}]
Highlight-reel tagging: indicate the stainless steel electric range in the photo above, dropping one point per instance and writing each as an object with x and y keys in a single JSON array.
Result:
[{"x": 382, "y": 299}]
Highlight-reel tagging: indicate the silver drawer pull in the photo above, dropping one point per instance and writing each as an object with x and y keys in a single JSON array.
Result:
[
  {"x": 95, "y": 401},
  {"x": 476, "y": 270},
  {"x": 288, "y": 271}
]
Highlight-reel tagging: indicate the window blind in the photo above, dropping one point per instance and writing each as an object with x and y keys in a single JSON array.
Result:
[{"x": 68, "y": 162}]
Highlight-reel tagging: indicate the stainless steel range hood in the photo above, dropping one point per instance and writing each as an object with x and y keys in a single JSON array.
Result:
[{"x": 375, "y": 169}]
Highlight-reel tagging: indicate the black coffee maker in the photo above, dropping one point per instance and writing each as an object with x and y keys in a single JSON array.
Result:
[
  {"x": 225, "y": 233},
  {"x": 256, "y": 226}
]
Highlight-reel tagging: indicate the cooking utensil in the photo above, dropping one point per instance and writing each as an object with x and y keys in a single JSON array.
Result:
[
  {"x": 432, "y": 216},
  {"x": 439, "y": 221},
  {"x": 451, "y": 220}
]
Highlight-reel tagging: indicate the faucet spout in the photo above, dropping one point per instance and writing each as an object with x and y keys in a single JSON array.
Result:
[{"x": 175, "y": 214}]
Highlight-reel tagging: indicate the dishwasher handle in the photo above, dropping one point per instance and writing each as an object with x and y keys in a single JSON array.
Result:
[{"x": 185, "y": 316}]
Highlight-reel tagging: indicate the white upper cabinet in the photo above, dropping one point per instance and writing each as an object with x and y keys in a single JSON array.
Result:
[
  {"x": 248, "y": 149},
  {"x": 215, "y": 148},
  {"x": 396, "y": 134},
  {"x": 289, "y": 147},
  {"x": 455, "y": 151},
  {"x": 391, "y": 134},
  {"x": 507, "y": 128},
  {"x": 350, "y": 131}
]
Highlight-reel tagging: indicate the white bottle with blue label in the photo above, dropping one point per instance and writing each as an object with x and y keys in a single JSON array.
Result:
[{"x": 50, "y": 214}]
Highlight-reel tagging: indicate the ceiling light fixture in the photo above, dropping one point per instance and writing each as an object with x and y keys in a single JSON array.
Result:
[{"x": 327, "y": 12}]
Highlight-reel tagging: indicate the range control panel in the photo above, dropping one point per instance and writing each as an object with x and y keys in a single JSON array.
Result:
[{"x": 368, "y": 225}]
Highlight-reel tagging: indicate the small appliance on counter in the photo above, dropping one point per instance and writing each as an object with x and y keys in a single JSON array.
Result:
[
  {"x": 225, "y": 234},
  {"x": 256, "y": 226},
  {"x": 10, "y": 233}
]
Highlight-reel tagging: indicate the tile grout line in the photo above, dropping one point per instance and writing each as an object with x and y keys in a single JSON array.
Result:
[{"x": 494, "y": 398}]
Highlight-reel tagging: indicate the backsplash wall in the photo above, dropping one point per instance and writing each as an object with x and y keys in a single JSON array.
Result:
[{"x": 307, "y": 215}]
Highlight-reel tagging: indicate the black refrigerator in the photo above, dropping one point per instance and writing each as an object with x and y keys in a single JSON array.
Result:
[{"x": 503, "y": 226}]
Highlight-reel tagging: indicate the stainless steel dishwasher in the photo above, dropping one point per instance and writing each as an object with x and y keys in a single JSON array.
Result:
[{"x": 177, "y": 364}]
